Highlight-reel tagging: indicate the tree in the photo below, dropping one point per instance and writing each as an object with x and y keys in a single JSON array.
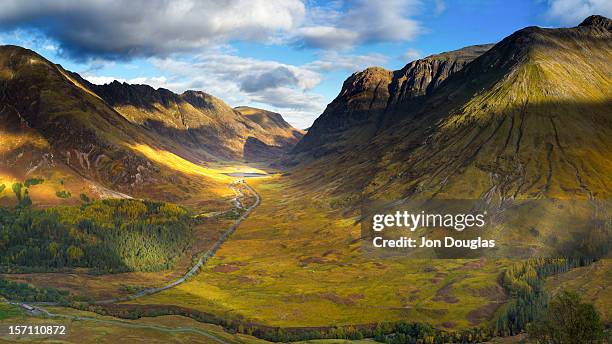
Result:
[
  {"x": 63, "y": 194},
  {"x": 33, "y": 181},
  {"x": 74, "y": 253},
  {"x": 568, "y": 320},
  {"x": 84, "y": 198},
  {"x": 17, "y": 190}
]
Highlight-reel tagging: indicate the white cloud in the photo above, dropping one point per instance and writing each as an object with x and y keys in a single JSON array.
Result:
[
  {"x": 411, "y": 55},
  {"x": 328, "y": 37},
  {"x": 117, "y": 29},
  {"x": 50, "y": 47},
  {"x": 101, "y": 79},
  {"x": 239, "y": 80},
  {"x": 572, "y": 12},
  {"x": 124, "y": 29},
  {"x": 330, "y": 61},
  {"x": 365, "y": 21}
]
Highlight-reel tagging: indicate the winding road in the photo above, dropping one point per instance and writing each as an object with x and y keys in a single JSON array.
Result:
[
  {"x": 37, "y": 309},
  {"x": 204, "y": 258}
]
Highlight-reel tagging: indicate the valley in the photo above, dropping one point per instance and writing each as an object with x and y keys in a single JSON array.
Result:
[
  {"x": 297, "y": 262},
  {"x": 137, "y": 214}
]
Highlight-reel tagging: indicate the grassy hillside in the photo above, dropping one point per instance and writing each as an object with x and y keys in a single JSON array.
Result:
[
  {"x": 101, "y": 329},
  {"x": 529, "y": 118},
  {"x": 593, "y": 282},
  {"x": 56, "y": 128},
  {"x": 283, "y": 135}
]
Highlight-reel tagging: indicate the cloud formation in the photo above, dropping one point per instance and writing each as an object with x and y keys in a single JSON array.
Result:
[
  {"x": 277, "y": 77},
  {"x": 187, "y": 42},
  {"x": 365, "y": 21},
  {"x": 572, "y": 12},
  {"x": 240, "y": 80},
  {"x": 115, "y": 29}
]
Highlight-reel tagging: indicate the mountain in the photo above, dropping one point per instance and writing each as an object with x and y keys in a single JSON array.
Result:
[
  {"x": 529, "y": 118},
  {"x": 365, "y": 98},
  {"x": 283, "y": 135},
  {"x": 194, "y": 119},
  {"x": 117, "y": 139}
]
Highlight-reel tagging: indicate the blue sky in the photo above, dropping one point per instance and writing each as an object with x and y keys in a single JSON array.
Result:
[{"x": 289, "y": 56}]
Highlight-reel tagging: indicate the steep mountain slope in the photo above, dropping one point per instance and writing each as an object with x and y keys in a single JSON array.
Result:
[
  {"x": 55, "y": 127},
  {"x": 132, "y": 139},
  {"x": 359, "y": 110},
  {"x": 531, "y": 117}
]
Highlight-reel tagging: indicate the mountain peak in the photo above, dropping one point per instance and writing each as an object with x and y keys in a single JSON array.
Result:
[{"x": 597, "y": 20}]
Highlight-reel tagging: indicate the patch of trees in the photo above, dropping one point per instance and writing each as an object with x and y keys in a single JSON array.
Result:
[
  {"x": 389, "y": 332},
  {"x": 16, "y": 291},
  {"x": 63, "y": 194},
  {"x": 21, "y": 191},
  {"x": 524, "y": 282},
  {"x": 107, "y": 236}
]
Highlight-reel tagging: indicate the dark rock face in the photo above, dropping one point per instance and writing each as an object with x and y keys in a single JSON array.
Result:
[
  {"x": 597, "y": 20},
  {"x": 366, "y": 97},
  {"x": 421, "y": 77}
]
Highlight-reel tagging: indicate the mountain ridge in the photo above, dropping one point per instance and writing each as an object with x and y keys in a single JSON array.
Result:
[
  {"x": 506, "y": 124},
  {"x": 195, "y": 118},
  {"x": 60, "y": 127},
  {"x": 368, "y": 95}
]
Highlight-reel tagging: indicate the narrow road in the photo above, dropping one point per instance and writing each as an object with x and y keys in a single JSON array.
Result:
[
  {"x": 36, "y": 306},
  {"x": 203, "y": 259}
]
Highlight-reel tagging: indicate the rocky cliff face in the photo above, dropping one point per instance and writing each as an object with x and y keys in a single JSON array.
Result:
[
  {"x": 421, "y": 77},
  {"x": 368, "y": 97}
]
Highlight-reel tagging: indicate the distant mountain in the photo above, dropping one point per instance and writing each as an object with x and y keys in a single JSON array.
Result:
[
  {"x": 283, "y": 135},
  {"x": 529, "y": 117},
  {"x": 194, "y": 119},
  {"x": 123, "y": 138}
]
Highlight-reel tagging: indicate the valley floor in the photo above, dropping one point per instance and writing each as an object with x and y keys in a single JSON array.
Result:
[{"x": 296, "y": 262}]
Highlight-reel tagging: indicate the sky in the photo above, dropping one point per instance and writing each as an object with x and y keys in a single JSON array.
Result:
[{"x": 287, "y": 56}]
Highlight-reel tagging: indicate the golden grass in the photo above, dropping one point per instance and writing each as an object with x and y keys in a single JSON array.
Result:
[
  {"x": 295, "y": 262},
  {"x": 10, "y": 142}
]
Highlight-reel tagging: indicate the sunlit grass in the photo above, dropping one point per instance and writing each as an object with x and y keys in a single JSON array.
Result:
[
  {"x": 295, "y": 262},
  {"x": 10, "y": 142}
]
